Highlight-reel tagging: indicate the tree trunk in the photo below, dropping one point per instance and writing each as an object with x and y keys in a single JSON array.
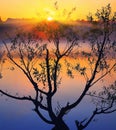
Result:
[
  {"x": 60, "y": 125},
  {"x": 79, "y": 126}
]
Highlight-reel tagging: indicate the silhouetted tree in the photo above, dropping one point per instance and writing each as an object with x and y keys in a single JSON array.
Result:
[
  {"x": 42, "y": 66},
  {"x": 103, "y": 47},
  {"x": 2, "y": 60}
]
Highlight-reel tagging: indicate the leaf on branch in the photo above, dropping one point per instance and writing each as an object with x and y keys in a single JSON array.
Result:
[
  {"x": 12, "y": 68},
  {"x": 70, "y": 74},
  {"x": 1, "y": 76}
]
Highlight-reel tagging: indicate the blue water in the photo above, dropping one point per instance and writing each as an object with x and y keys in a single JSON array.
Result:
[{"x": 18, "y": 115}]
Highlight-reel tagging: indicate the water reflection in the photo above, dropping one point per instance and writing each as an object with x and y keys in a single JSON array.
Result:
[{"x": 18, "y": 115}]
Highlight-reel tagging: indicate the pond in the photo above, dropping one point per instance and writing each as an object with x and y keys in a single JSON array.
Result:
[{"x": 19, "y": 115}]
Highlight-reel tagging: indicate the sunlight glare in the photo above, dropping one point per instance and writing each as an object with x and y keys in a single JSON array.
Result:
[{"x": 49, "y": 18}]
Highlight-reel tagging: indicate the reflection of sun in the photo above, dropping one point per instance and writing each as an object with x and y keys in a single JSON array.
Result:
[{"x": 49, "y": 18}]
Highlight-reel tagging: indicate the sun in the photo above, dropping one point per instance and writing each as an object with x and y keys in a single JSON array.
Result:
[{"x": 49, "y": 18}]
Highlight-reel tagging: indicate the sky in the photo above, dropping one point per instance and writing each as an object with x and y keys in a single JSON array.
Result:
[{"x": 46, "y": 9}]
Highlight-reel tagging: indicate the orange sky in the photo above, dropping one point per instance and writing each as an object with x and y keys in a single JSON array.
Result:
[{"x": 44, "y": 9}]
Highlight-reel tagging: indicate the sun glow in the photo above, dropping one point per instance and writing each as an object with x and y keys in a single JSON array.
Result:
[{"x": 49, "y": 18}]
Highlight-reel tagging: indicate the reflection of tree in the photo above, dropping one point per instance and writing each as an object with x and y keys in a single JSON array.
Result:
[
  {"x": 2, "y": 60},
  {"x": 42, "y": 66}
]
